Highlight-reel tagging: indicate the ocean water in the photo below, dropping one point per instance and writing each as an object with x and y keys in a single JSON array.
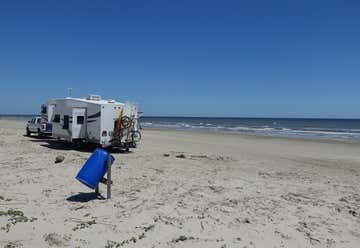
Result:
[
  {"x": 338, "y": 129},
  {"x": 17, "y": 117}
]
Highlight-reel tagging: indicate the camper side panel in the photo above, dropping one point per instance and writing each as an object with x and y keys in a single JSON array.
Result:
[
  {"x": 62, "y": 119},
  {"x": 93, "y": 122}
]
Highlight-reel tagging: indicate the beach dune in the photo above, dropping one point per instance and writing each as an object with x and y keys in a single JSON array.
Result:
[{"x": 182, "y": 189}]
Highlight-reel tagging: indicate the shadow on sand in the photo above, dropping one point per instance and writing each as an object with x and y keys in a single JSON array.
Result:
[
  {"x": 67, "y": 146},
  {"x": 85, "y": 197}
]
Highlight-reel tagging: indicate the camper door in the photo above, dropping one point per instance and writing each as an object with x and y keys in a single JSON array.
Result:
[
  {"x": 50, "y": 112},
  {"x": 78, "y": 123}
]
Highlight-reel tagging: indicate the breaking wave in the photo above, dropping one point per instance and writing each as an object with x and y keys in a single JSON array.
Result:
[{"x": 305, "y": 128}]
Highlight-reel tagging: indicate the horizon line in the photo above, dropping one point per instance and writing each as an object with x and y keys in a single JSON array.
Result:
[{"x": 216, "y": 117}]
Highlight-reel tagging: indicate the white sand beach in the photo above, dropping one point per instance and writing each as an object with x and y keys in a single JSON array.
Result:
[{"x": 225, "y": 191}]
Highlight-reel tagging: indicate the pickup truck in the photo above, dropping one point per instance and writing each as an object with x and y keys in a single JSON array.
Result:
[{"x": 38, "y": 126}]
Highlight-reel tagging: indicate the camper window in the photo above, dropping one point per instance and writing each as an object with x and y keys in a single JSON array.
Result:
[
  {"x": 66, "y": 122},
  {"x": 80, "y": 120},
  {"x": 56, "y": 118}
]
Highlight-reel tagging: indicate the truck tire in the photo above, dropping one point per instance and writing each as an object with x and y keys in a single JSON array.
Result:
[
  {"x": 28, "y": 133},
  {"x": 40, "y": 135}
]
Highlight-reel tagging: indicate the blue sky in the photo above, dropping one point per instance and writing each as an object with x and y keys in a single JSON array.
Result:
[{"x": 185, "y": 58}]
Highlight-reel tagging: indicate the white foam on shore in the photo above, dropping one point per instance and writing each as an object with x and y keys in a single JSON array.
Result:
[{"x": 348, "y": 134}]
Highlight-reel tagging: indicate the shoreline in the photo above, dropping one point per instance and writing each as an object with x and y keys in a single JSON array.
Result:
[
  {"x": 238, "y": 134},
  {"x": 257, "y": 136}
]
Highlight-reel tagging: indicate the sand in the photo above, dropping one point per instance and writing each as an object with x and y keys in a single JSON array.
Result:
[{"x": 182, "y": 189}]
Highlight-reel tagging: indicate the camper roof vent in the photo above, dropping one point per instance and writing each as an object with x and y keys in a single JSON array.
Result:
[
  {"x": 111, "y": 101},
  {"x": 94, "y": 97}
]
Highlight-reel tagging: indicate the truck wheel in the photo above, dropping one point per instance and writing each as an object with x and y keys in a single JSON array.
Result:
[
  {"x": 28, "y": 132},
  {"x": 40, "y": 133}
]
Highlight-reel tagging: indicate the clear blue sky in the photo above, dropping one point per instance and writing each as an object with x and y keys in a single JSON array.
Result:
[{"x": 188, "y": 58}]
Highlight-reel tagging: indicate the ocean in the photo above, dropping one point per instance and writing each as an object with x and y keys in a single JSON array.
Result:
[
  {"x": 335, "y": 129},
  {"x": 16, "y": 117},
  {"x": 338, "y": 129}
]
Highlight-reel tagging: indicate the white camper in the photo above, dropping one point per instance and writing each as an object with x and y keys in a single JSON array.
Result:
[{"x": 105, "y": 122}]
